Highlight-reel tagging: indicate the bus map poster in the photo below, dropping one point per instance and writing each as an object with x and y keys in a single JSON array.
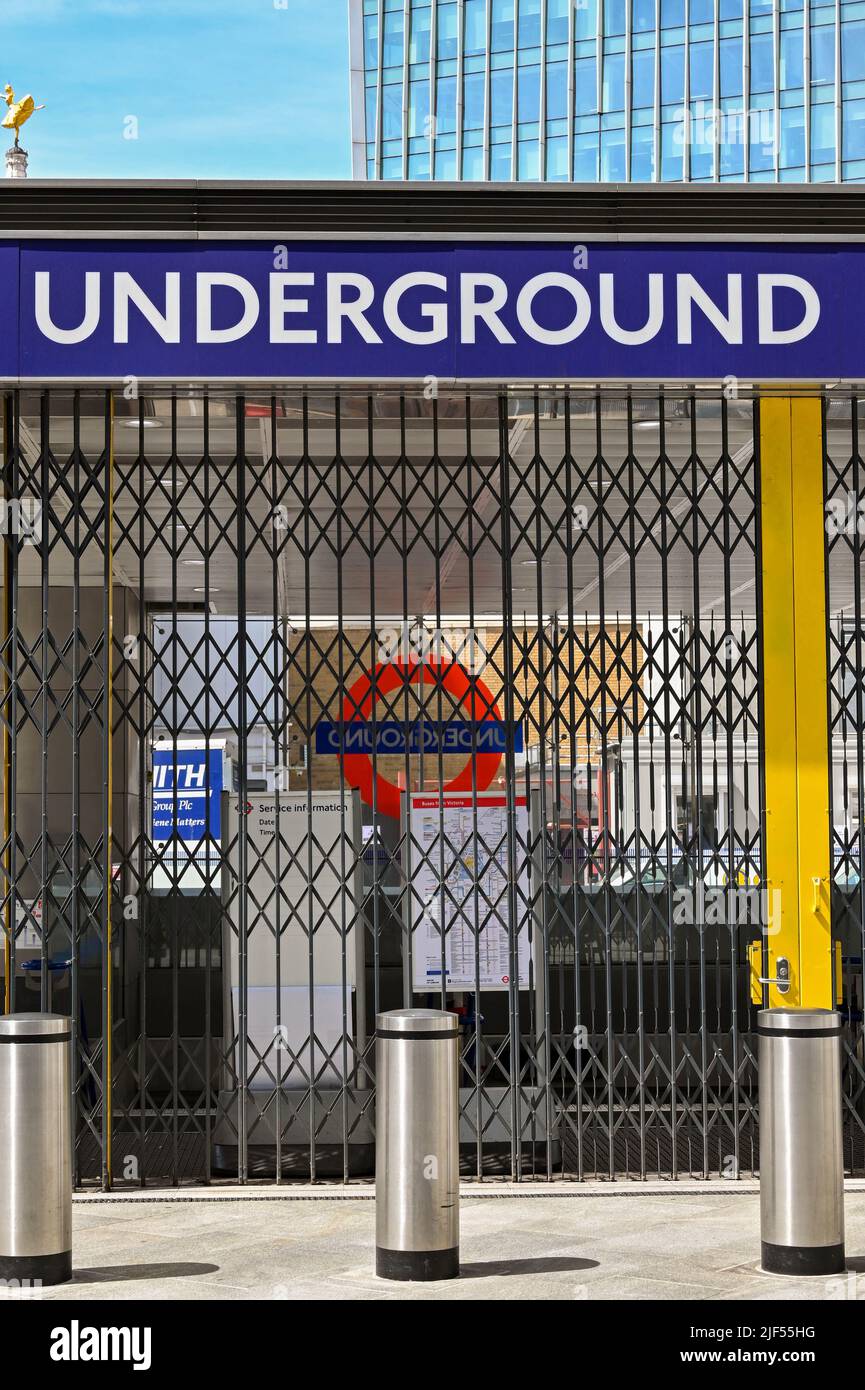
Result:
[{"x": 475, "y": 924}]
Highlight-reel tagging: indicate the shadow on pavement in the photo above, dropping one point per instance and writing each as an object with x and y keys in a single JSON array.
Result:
[
  {"x": 110, "y": 1274},
  {"x": 544, "y": 1264}
]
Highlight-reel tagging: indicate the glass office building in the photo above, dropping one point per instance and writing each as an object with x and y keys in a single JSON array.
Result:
[{"x": 609, "y": 90}]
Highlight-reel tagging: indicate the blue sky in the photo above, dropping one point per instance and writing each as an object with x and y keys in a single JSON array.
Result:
[{"x": 220, "y": 88}]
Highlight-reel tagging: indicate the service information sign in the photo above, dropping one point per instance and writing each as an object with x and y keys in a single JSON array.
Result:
[
  {"x": 299, "y": 882},
  {"x": 299, "y": 890},
  {"x": 472, "y": 922},
  {"x": 188, "y": 311}
]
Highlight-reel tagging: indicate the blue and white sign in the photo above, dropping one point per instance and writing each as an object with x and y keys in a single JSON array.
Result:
[
  {"x": 427, "y": 736},
  {"x": 187, "y": 795},
  {"x": 396, "y": 310}
]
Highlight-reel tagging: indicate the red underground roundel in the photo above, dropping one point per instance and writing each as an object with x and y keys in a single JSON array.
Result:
[{"x": 394, "y": 675}]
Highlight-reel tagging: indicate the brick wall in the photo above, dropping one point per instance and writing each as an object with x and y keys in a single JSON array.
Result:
[{"x": 557, "y": 681}]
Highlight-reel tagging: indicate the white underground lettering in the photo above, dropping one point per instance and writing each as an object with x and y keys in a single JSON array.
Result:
[{"x": 345, "y": 303}]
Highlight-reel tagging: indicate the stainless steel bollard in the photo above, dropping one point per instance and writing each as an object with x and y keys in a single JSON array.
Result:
[
  {"x": 417, "y": 1214},
  {"x": 35, "y": 1148},
  {"x": 801, "y": 1162}
]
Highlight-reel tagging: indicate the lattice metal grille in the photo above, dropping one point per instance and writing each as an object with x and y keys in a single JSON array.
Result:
[
  {"x": 326, "y": 589},
  {"x": 845, "y": 528}
]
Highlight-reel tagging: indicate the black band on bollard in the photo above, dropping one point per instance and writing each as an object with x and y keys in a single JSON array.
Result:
[
  {"x": 46, "y": 1269},
  {"x": 418, "y": 1265},
  {"x": 31, "y": 1038},
  {"x": 781, "y": 1033},
  {"x": 429, "y": 1036},
  {"x": 802, "y": 1259}
]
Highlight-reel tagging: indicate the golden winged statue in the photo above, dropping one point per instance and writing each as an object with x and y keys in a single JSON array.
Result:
[{"x": 19, "y": 111}]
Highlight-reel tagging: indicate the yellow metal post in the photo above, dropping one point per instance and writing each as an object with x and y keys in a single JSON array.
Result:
[
  {"x": 781, "y": 876},
  {"x": 795, "y": 698},
  {"x": 812, "y": 718}
]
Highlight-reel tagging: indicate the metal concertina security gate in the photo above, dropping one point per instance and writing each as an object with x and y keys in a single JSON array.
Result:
[{"x": 321, "y": 703}]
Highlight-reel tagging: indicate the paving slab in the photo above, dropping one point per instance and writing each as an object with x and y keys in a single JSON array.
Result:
[{"x": 699, "y": 1242}]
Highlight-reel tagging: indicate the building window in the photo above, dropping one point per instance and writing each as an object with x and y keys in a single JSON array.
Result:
[
  {"x": 762, "y": 65},
  {"x": 446, "y": 106},
  {"x": 557, "y": 158},
  {"x": 586, "y": 20},
  {"x": 644, "y": 16},
  {"x": 446, "y": 165},
  {"x": 672, "y": 75},
  {"x": 614, "y": 82},
  {"x": 529, "y": 95},
  {"x": 586, "y": 157},
  {"x": 853, "y": 130},
  {"x": 792, "y": 59},
  {"x": 475, "y": 32},
  {"x": 473, "y": 164},
  {"x": 792, "y": 137},
  {"x": 557, "y": 24},
  {"x": 731, "y": 152},
  {"x": 501, "y": 97},
  {"x": 702, "y": 69},
  {"x": 614, "y": 17},
  {"x": 761, "y": 156},
  {"x": 585, "y": 86},
  {"x": 822, "y": 133},
  {"x": 500, "y": 163},
  {"x": 370, "y": 42},
  {"x": 529, "y": 29},
  {"x": 420, "y": 35},
  {"x": 371, "y": 109},
  {"x": 853, "y": 51},
  {"x": 643, "y": 77},
  {"x": 822, "y": 53},
  {"x": 643, "y": 154},
  {"x": 391, "y": 111},
  {"x": 613, "y": 156},
  {"x": 672, "y": 147},
  {"x": 446, "y": 32},
  {"x": 502, "y": 25},
  {"x": 418, "y": 109},
  {"x": 529, "y": 162},
  {"x": 473, "y": 101},
  {"x": 394, "y": 36},
  {"x": 701, "y": 148},
  {"x": 730, "y": 59},
  {"x": 557, "y": 92}
]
